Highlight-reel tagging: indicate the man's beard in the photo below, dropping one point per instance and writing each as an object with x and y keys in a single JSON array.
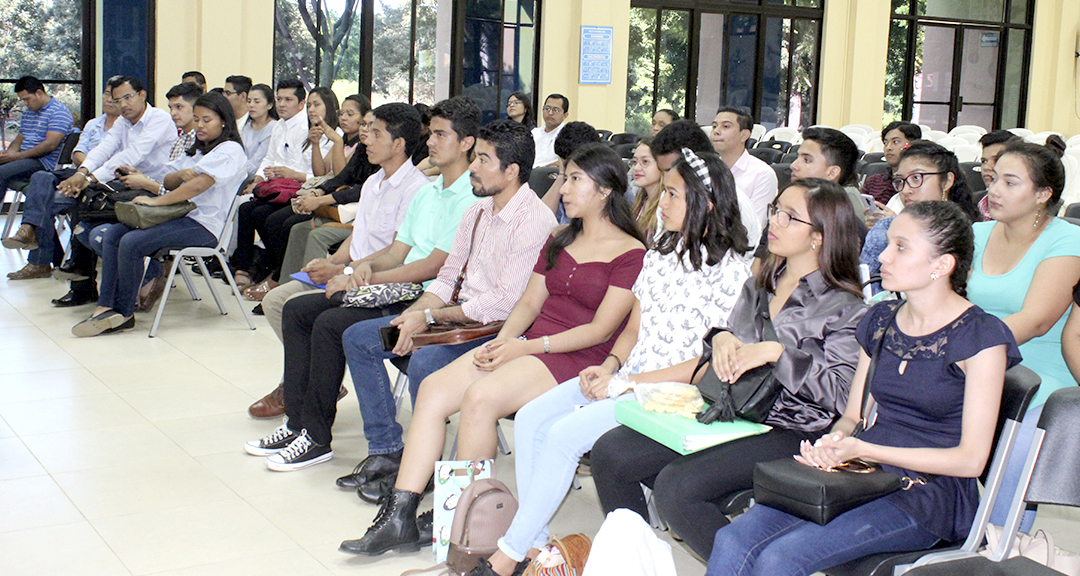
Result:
[{"x": 480, "y": 192}]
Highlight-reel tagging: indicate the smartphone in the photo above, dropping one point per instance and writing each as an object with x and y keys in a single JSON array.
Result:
[
  {"x": 867, "y": 200},
  {"x": 388, "y": 335},
  {"x": 122, "y": 171}
]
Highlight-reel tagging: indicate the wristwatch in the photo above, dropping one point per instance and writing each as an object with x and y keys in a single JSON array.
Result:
[
  {"x": 429, "y": 319},
  {"x": 348, "y": 271}
]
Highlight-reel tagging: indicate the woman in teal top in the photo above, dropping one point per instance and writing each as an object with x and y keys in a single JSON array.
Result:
[{"x": 1026, "y": 263}]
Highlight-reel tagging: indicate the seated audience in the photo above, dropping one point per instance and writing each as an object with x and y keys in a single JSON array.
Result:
[
  {"x": 667, "y": 148},
  {"x": 261, "y": 118},
  {"x": 753, "y": 177},
  {"x": 510, "y": 225},
  {"x": 519, "y": 109},
  {"x": 1026, "y": 263},
  {"x": 141, "y": 138},
  {"x": 45, "y": 124},
  {"x": 572, "y": 136},
  {"x": 689, "y": 282},
  {"x": 555, "y": 110},
  {"x": 926, "y": 171},
  {"x": 649, "y": 180},
  {"x": 938, "y": 389},
  {"x": 662, "y": 118},
  {"x": 810, "y": 281},
  {"x": 573, "y": 310},
  {"x": 897, "y": 136},
  {"x": 208, "y": 175},
  {"x": 383, "y": 203},
  {"x": 237, "y": 89}
]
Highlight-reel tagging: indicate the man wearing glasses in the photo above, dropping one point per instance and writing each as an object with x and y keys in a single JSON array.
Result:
[
  {"x": 555, "y": 111},
  {"x": 236, "y": 90}
]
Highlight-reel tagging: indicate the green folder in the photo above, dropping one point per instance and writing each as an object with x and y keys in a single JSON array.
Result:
[{"x": 681, "y": 434}]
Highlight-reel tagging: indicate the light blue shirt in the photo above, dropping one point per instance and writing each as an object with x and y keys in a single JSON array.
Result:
[{"x": 92, "y": 134}]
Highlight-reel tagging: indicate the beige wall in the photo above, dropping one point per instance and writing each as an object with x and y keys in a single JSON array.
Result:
[
  {"x": 851, "y": 80},
  {"x": 604, "y": 105},
  {"x": 1053, "y": 89},
  {"x": 218, "y": 38}
]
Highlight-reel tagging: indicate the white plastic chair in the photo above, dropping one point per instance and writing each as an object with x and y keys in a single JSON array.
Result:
[
  {"x": 1073, "y": 141},
  {"x": 782, "y": 133},
  {"x": 198, "y": 253},
  {"x": 967, "y": 128},
  {"x": 758, "y": 131},
  {"x": 925, "y": 130},
  {"x": 857, "y": 135},
  {"x": 872, "y": 143},
  {"x": 864, "y": 127},
  {"x": 969, "y": 136},
  {"x": 1040, "y": 137},
  {"x": 967, "y": 152},
  {"x": 1071, "y": 193},
  {"x": 951, "y": 142},
  {"x": 934, "y": 135},
  {"x": 1022, "y": 132}
]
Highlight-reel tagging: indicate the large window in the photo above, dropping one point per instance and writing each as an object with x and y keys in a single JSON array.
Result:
[
  {"x": 44, "y": 38},
  {"x": 695, "y": 57},
  {"x": 410, "y": 50},
  {"x": 954, "y": 62}
]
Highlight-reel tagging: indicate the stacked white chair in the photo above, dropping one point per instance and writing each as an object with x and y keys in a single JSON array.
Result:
[
  {"x": 1040, "y": 137},
  {"x": 951, "y": 142},
  {"x": 1073, "y": 141},
  {"x": 758, "y": 131},
  {"x": 968, "y": 152},
  {"x": 872, "y": 143},
  {"x": 967, "y": 128},
  {"x": 934, "y": 135},
  {"x": 1022, "y": 132},
  {"x": 969, "y": 137},
  {"x": 925, "y": 129},
  {"x": 783, "y": 134}
]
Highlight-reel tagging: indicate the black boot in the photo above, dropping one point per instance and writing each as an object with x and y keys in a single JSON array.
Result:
[
  {"x": 483, "y": 568},
  {"x": 374, "y": 491},
  {"x": 394, "y": 527},
  {"x": 374, "y": 467},
  {"x": 425, "y": 524}
]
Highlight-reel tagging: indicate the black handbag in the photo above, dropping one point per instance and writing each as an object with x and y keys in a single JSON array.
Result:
[
  {"x": 752, "y": 396},
  {"x": 820, "y": 495},
  {"x": 97, "y": 203}
]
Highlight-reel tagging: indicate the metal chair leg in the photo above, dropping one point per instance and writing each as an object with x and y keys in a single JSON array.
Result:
[{"x": 164, "y": 297}]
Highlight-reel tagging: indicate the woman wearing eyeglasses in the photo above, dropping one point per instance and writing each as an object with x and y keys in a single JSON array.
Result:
[
  {"x": 519, "y": 109},
  {"x": 811, "y": 282},
  {"x": 926, "y": 171}
]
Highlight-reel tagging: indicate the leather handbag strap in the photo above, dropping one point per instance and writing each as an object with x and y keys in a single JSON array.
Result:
[
  {"x": 461, "y": 276},
  {"x": 871, "y": 371}
]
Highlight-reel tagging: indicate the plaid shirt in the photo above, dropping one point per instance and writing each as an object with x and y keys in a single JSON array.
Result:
[{"x": 183, "y": 142}]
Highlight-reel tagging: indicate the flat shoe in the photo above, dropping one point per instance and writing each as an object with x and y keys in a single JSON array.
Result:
[
  {"x": 107, "y": 321},
  {"x": 73, "y": 298}
]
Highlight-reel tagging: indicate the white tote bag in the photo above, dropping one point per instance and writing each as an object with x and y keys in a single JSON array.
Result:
[{"x": 627, "y": 546}]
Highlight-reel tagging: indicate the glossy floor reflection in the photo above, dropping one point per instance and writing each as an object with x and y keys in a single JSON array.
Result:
[{"x": 121, "y": 455}]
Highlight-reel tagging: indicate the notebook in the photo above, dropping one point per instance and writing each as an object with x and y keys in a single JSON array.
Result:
[
  {"x": 303, "y": 278},
  {"x": 681, "y": 434}
]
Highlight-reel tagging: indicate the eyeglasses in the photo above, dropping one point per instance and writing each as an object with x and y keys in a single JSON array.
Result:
[
  {"x": 783, "y": 217},
  {"x": 229, "y": 92},
  {"x": 510, "y": 103},
  {"x": 552, "y": 109},
  {"x": 124, "y": 98},
  {"x": 913, "y": 180}
]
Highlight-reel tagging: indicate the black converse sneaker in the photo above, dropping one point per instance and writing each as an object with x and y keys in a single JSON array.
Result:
[
  {"x": 301, "y": 453},
  {"x": 277, "y": 441}
]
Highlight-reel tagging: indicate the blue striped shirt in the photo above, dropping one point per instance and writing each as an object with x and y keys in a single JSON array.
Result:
[{"x": 53, "y": 117}]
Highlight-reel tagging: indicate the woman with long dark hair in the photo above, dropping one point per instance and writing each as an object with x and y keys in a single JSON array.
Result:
[
  {"x": 937, "y": 388},
  {"x": 209, "y": 174},
  {"x": 519, "y": 109},
  {"x": 574, "y": 308},
  {"x": 690, "y": 281},
  {"x": 810, "y": 285}
]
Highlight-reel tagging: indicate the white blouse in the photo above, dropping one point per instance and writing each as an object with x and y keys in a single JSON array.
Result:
[{"x": 226, "y": 164}]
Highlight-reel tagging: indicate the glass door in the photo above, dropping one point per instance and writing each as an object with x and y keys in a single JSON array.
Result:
[{"x": 956, "y": 82}]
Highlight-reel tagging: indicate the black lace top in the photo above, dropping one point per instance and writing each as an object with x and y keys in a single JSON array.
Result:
[{"x": 919, "y": 391}]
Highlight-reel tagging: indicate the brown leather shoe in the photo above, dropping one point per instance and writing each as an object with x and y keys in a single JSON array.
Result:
[
  {"x": 31, "y": 271},
  {"x": 270, "y": 406},
  {"x": 23, "y": 239}
]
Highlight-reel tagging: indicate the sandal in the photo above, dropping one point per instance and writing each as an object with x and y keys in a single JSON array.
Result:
[
  {"x": 257, "y": 292},
  {"x": 243, "y": 280}
]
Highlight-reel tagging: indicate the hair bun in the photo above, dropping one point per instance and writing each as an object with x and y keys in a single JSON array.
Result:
[{"x": 1056, "y": 145}]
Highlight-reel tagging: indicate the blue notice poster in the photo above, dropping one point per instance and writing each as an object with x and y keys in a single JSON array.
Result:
[{"x": 595, "y": 55}]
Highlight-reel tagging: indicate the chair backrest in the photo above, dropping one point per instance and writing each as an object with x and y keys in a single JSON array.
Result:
[
  {"x": 626, "y": 151},
  {"x": 1021, "y": 132},
  {"x": 623, "y": 138},
  {"x": 758, "y": 131},
  {"x": 603, "y": 134},
  {"x": 973, "y": 174},
  {"x": 783, "y": 174},
  {"x": 784, "y": 133},
  {"x": 68, "y": 148},
  {"x": 541, "y": 179},
  {"x": 1073, "y": 141},
  {"x": 872, "y": 157},
  {"x": 967, "y": 128},
  {"x": 779, "y": 145},
  {"x": 934, "y": 135},
  {"x": 967, "y": 152},
  {"x": 1019, "y": 388},
  {"x": 1053, "y": 481},
  {"x": 875, "y": 168},
  {"x": 1073, "y": 210},
  {"x": 767, "y": 155},
  {"x": 872, "y": 143}
]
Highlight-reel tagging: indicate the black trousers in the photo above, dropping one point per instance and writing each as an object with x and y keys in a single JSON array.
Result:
[
  {"x": 315, "y": 360},
  {"x": 687, "y": 489},
  {"x": 250, "y": 217},
  {"x": 275, "y": 232}
]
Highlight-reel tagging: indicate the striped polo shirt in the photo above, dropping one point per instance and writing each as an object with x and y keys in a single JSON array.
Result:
[{"x": 53, "y": 117}]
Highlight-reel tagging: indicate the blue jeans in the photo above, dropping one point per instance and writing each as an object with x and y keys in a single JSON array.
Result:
[
  {"x": 43, "y": 203},
  {"x": 550, "y": 435},
  {"x": 95, "y": 240},
  {"x": 124, "y": 248},
  {"x": 769, "y": 542},
  {"x": 1013, "y": 468},
  {"x": 364, "y": 354},
  {"x": 18, "y": 169}
]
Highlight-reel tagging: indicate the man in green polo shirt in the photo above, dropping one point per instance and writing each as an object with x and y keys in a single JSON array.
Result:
[{"x": 312, "y": 325}]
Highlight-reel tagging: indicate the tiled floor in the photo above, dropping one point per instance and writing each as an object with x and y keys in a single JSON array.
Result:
[{"x": 121, "y": 455}]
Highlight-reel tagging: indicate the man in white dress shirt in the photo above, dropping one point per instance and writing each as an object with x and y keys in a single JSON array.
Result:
[
  {"x": 142, "y": 137},
  {"x": 753, "y": 177},
  {"x": 555, "y": 110},
  {"x": 289, "y": 154}
]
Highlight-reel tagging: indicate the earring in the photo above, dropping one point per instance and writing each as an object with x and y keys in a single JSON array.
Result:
[
  {"x": 1038, "y": 216},
  {"x": 945, "y": 196},
  {"x": 813, "y": 246},
  {"x": 933, "y": 275}
]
